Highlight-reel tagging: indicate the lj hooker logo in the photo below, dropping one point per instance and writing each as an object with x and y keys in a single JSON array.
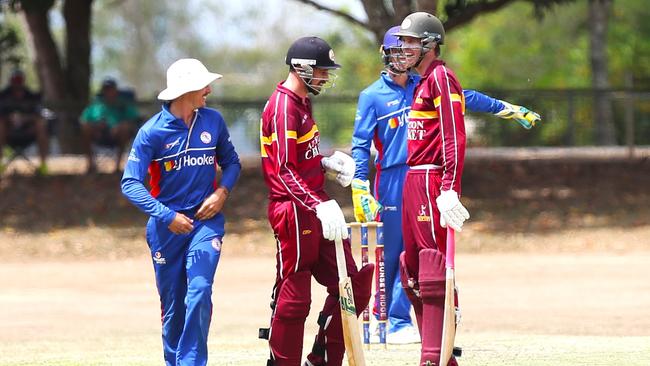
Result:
[{"x": 422, "y": 215}]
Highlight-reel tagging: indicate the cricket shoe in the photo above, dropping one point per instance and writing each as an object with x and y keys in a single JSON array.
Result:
[{"x": 406, "y": 335}]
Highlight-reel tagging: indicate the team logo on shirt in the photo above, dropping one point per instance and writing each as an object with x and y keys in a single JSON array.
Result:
[
  {"x": 422, "y": 215},
  {"x": 169, "y": 165},
  {"x": 133, "y": 157},
  {"x": 206, "y": 137},
  {"x": 172, "y": 144},
  {"x": 392, "y": 103},
  {"x": 415, "y": 130},
  {"x": 186, "y": 160},
  {"x": 158, "y": 258},
  {"x": 313, "y": 147}
]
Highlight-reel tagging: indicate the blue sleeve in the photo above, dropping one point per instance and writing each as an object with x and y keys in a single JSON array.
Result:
[
  {"x": 478, "y": 102},
  {"x": 135, "y": 173},
  {"x": 227, "y": 159},
  {"x": 365, "y": 123}
]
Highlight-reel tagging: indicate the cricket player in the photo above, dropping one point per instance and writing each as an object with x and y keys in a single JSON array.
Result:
[
  {"x": 304, "y": 219},
  {"x": 180, "y": 147},
  {"x": 436, "y": 155},
  {"x": 381, "y": 117}
]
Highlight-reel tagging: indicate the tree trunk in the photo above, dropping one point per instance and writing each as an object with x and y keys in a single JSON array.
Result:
[
  {"x": 77, "y": 15},
  {"x": 51, "y": 75},
  {"x": 48, "y": 62},
  {"x": 602, "y": 110},
  {"x": 65, "y": 88}
]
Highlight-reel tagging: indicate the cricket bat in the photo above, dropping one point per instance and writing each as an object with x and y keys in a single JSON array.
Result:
[
  {"x": 349, "y": 322},
  {"x": 449, "y": 322}
]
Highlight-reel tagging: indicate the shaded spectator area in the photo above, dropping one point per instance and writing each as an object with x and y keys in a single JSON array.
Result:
[
  {"x": 23, "y": 122},
  {"x": 110, "y": 120}
]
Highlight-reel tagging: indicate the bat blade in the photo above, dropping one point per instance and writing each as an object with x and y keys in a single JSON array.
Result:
[
  {"x": 449, "y": 320},
  {"x": 349, "y": 322}
]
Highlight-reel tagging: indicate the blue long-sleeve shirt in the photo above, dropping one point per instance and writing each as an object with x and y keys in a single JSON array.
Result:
[
  {"x": 382, "y": 116},
  {"x": 182, "y": 162}
]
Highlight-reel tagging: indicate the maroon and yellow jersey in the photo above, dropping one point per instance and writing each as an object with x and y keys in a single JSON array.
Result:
[
  {"x": 436, "y": 126},
  {"x": 291, "y": 160}
]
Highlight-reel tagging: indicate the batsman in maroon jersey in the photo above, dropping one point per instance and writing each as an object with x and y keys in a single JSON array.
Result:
[
  {"x": 436, "y": 153},
  {"x": 304, "y": 219}
]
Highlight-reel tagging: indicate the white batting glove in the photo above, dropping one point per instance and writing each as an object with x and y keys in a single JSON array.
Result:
[
  {"x": 452, "y": 212},
  {"x": 332, "y": 220},
  {"x": 342, "y": 164}
]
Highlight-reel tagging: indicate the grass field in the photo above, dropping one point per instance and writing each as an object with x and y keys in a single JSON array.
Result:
[
  {"x": 553, "y": 268},
  {"x": 535, "y": 308}
]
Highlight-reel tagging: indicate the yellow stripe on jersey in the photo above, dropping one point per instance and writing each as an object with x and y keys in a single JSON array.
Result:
[
  {"x": 454, "y": 98},
  {"x": 309, "y": 135},
  {"x": 268, "y": 140},
  {"x": 423, "y": 114}
]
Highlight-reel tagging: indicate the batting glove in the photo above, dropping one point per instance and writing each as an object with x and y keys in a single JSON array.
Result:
[
  {"x": 522, "y": 115},
  {"x": 452, "y": 212},
  {"x": 366, "y": 207},
  {"x": 332, "y": 220},
  {"x": 342, "y": 165}
]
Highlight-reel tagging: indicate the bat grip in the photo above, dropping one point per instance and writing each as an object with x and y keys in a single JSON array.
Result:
[
  {"x": 450, "y": 255},
  {"x": 340, "y": 259}
]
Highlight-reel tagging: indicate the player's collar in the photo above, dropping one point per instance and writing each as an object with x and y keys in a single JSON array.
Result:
[
  {"x": 433, "y": 65},
  {"x": 298, "y": 99}
]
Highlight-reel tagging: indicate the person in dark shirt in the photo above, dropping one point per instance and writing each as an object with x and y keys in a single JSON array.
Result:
[{"x": 21, "y": 118}]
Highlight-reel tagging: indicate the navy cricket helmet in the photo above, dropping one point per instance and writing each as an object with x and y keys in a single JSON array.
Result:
[{"x": 311, "y": 51}]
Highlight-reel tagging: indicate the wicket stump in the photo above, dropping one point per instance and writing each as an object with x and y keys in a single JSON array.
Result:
[{"x": 380, "y": 277}]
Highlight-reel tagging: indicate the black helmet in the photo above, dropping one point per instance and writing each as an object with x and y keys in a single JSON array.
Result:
[
  {"x": 311, "y": 51},
  {"x": 424, "y": 26},
  {"x": 308, "y": 53}
]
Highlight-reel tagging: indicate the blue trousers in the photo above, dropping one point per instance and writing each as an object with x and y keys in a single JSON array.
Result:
[
  {"x": 184, "y": 267},
  {"x": 388, "y": 191}
]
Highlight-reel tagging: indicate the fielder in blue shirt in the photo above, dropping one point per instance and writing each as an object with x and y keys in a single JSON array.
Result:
[
  {"x": 381, "y": 118},
  {"x": 180, "y": 148}
]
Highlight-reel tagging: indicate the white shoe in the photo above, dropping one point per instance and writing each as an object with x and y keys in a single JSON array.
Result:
[{"x": 406, "y": 335}]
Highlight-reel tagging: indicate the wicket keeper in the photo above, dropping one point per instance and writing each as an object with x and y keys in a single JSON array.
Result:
[{"x": 381, "y": 118}]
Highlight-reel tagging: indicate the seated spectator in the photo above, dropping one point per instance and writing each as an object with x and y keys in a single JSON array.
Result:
[
  {"x": 110, "y": 120},
  {"x": 21, "y": 119}
]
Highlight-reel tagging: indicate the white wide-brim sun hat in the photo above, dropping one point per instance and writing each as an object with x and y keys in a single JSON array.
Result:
[{"x": 186, "y": 75}]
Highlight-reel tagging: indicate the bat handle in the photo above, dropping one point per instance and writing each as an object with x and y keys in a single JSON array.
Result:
[
  {"x": 340, "y": 259},
  {"x": 450, "y": 255}
]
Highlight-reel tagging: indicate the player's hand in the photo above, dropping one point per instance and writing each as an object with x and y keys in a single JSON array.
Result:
[
  {"x": 522, "y": 115},
  {"x": 181, "y": 224},
  {"x": 212, "y": 205},
  {"x": 365, "y": 205},
  {"x": 452, "y": 212},
  {"x": 342, "y": 165},
  {"x": 332, "y": 220}
]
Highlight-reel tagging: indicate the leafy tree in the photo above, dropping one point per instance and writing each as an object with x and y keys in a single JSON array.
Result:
[
  {"x": 383, "y": 14},
  {"x": 9, "y": 46}
]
